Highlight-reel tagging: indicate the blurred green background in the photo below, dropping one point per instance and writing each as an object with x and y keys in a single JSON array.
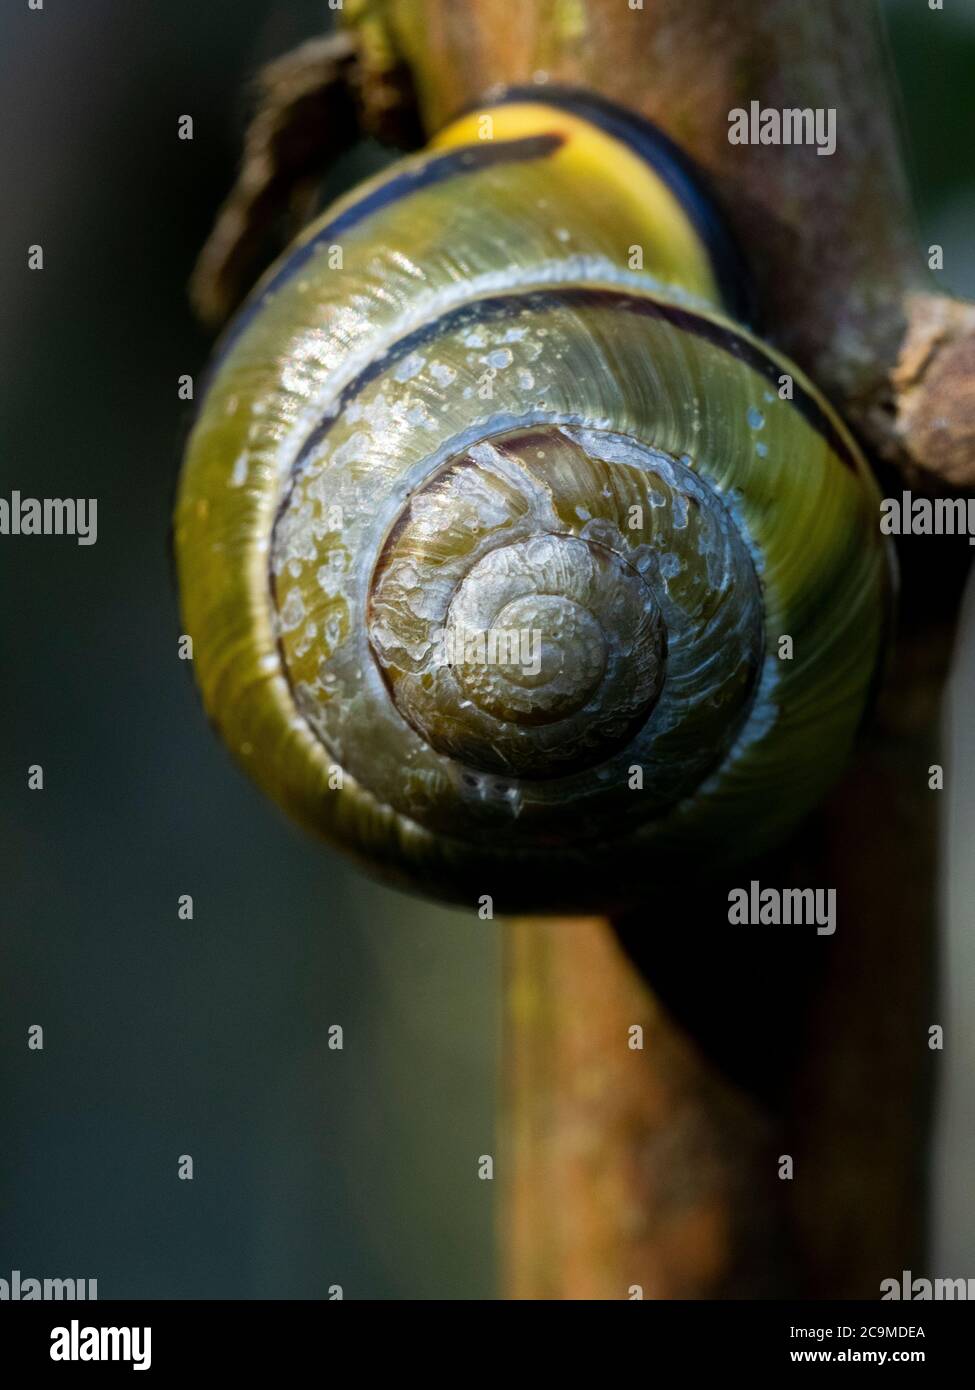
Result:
[{"x": 209, "y": 1037}]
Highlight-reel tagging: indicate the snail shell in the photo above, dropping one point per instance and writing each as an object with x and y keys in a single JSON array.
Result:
[{"x": 486, "y": 539}]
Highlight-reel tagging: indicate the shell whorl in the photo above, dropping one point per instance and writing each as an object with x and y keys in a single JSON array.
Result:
[
  {"x": 534, "y": 659},
  {"x": 511, "y": 548},
  {"x": 611, "y": 562}
]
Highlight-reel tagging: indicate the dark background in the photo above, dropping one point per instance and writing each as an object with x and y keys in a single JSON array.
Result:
[{"x": 209, "y": 1037}]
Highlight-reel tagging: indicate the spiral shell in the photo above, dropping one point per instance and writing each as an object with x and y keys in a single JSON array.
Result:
[{"x": 487, "y": 540}]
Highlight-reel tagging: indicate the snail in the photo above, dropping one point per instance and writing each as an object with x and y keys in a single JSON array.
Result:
[{"x": 514, "y": 563}]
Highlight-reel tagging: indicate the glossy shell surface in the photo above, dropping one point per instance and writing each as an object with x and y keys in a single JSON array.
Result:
[{"x": 455, "y": 408}]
